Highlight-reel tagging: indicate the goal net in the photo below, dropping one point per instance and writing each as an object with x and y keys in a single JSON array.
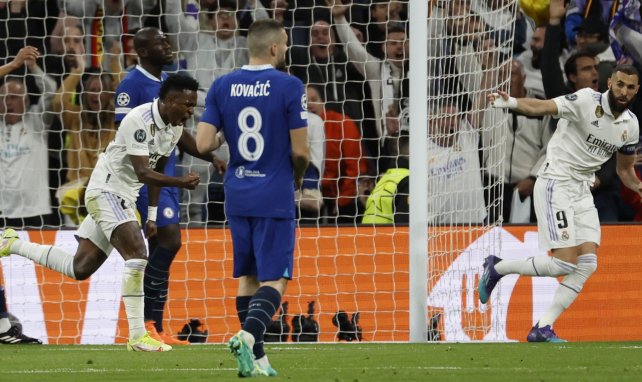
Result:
[{"x": 352, "y": 278}]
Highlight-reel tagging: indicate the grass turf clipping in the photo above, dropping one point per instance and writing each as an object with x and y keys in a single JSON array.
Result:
[{"x": 601, "y": 361}]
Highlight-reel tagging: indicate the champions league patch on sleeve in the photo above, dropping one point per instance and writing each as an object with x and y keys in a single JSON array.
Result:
[
  {"x": 122, "y": 99},
  {"x": 571, "y": 97},
  {"x": 140, "y": 135},
  {"x": 304, "y": 101}
]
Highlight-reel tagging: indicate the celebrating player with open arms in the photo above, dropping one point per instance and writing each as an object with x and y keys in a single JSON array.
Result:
[
  {"x": 145, "y": 138},
  {"x": 593, "y": 126},
  {"x": 262, "y": 113}
]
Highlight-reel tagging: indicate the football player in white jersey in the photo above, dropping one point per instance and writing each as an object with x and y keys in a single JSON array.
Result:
[
  {"x": 593, "y": 126},
  {"x": 145, "y": 138}
]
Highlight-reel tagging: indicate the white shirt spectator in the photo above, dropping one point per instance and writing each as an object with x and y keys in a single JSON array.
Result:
[
  {"x": 454, "y": 180},
  {"x": 24, "y": 158}
]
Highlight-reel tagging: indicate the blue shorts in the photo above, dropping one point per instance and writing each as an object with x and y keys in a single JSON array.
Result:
[
  {"x": 168, "y": 208},
  {"x": 263, "y": 247}
]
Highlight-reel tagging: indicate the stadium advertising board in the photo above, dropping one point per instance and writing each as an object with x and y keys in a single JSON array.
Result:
[{"x": 361, "y": 269}]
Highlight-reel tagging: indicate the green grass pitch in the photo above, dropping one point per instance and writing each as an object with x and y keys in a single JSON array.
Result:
[{"x": 604, "y": 361}]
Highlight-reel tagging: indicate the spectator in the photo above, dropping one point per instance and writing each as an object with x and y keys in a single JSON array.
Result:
[
  {"x": 60, "y": 65},
  {"x": 24, "y": 200},
  {"x": 344, "y": 161},
  {"x": 103, "y": 22},
  {"x": 209, "y": 55},
  {"x": 85, "y": 101},
  {"x": 309, "y": 198},
  {"x": 457, "y": 47},
  {"x": 388, "y": 201},
  {"x": 454, "y": 177},
  {"x": 531, "y": 61},
  {"x": 384, "y": 77},
  {"x": 519, "y": 143},
  {"x": 325, "y": 65}
]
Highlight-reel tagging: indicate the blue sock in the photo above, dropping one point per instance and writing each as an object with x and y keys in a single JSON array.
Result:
[
  {"x": 156, "y": 284},
  {"x": 242, "y": 306},
  {"x": 263, "y": 305}
]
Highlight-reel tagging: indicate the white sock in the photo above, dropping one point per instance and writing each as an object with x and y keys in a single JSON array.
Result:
[
  {"x": 248, "y": 338},
  {"x": 535, "y": 266},
  {"x": 570, "y": 287},
  {"x": 263, "y": 362},
  {"x": 5, "y": 324},
  {"x": 46, "y": 255},
  {"x": 133, "y": 296}
]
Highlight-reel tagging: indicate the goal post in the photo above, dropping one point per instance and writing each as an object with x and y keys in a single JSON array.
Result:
[{"x": 418, "y": 219}]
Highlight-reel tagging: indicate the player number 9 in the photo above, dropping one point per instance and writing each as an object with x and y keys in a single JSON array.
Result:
[{"x": 250, "y": 132}]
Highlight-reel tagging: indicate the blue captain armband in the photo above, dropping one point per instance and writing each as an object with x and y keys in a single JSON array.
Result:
[{"x": 628, "y": 149}]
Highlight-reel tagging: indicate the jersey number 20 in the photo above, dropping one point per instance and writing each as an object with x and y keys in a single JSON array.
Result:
[{"x": 250, "y": 133}]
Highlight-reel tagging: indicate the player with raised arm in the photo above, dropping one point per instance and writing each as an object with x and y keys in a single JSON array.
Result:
[
  {"x": 592, "y": 127},
  {"x": 262, "y": 113},
  {"x": 9, "y": 333},
  {"x": 145, "y": 138},
  {"x": 140, "y": 86}
]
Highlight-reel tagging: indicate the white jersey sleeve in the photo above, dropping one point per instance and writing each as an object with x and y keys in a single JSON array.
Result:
[
  {"x": 134, "y": 133},
  {"x": 571, "y": 106}
]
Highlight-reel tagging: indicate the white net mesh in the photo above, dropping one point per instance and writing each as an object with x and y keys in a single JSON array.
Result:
[{"x": 356, "y": 67}]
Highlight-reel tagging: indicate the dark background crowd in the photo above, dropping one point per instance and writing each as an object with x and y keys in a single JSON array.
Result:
[{"x": 56, "y": 115}]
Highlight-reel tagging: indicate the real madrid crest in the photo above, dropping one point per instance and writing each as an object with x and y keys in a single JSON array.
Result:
[
  {"x": 599, "y": 112},
  {"x": 625, "y": 136},
  {"x": 152, "y": 129},
  {"x": 565, "y": 235}
]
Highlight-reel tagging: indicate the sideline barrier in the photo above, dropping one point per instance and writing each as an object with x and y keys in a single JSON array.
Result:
[{"x": 361, "y": 269}]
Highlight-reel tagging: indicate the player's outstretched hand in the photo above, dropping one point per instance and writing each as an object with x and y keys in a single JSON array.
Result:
[
  {"x": 502, "y": 100},
  {"x": 190, "y": 181}
]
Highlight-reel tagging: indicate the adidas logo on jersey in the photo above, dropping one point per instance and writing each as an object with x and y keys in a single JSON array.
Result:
[{"x": 595, "y": 123}]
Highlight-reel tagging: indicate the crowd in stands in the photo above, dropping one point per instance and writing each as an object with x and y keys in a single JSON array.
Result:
[{"x": 57, "y": 113}]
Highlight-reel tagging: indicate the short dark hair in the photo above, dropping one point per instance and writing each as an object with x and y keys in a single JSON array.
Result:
[
  {"x": 570, "y": 66},
  {"x": 261, "y": 34},
  {"x": 626, "y": 69},
  {"x": 178, "y": 82},
  {"x": 142, "y": 37}
]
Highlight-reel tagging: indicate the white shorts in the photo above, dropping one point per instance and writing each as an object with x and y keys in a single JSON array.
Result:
[
  {"x": 566, "y": 214},
  {"x": 106, "y": 212}
]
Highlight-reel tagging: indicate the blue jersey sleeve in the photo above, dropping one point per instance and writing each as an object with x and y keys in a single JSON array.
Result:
[
  {"x": 212, "y": 113},
  {"x": 297, "y": 104},
  {"x": 127, "y": 98}
]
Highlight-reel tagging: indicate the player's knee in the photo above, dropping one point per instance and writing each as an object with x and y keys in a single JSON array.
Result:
[
  {"x": 587, "y": 264},
  {"x": 171, "y": 243},
  {"x": 82, "y": 272},
  {"x": 560, "y": 267},
  {"x": 83, "y": 267}
]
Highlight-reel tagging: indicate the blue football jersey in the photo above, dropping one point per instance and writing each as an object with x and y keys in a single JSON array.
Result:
[
  {"x": 139, "y": 87},
  {"x": 256, "y": 107}
]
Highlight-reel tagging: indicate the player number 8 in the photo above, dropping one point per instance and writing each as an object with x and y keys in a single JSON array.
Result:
[{"x": 250, "y": 132}]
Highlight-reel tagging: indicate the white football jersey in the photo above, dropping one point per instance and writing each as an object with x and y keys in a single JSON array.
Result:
[
  {"x": 587, "y": 135},
  {"x": 455, "y": 192},
  {"x": 141, "y": 133}
]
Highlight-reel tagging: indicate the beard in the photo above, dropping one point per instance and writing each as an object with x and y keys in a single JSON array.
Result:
[{"x": 617, "y": 106}]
